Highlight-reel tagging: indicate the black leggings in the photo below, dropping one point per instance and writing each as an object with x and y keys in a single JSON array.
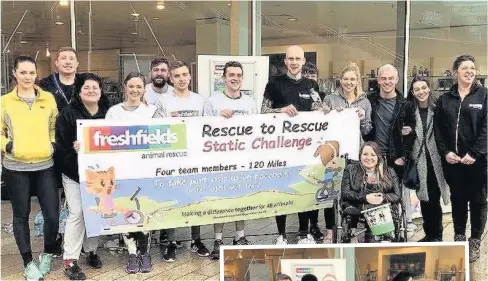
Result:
[
  {"x": 46, "y": 185},
  {"x": 329, "y": 217},
  {"x": 303, "y": 219},
  {"x": 431, "y": 210},
  {"x": 468, "y": 186}
]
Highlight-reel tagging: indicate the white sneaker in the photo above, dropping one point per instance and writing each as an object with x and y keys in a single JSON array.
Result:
[
  {"x": 307, "y": 240},
  {"x": 280, "y": 240},
  {"x": 411, "y": 227}
]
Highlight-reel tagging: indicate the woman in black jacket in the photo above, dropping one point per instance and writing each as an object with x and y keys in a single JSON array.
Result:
[
  {"x": 460, "y": 131},
  {"x": 370, "y": 182},
  {"x": 433, "y": 185},
  {"x": 89, "y": 102}
]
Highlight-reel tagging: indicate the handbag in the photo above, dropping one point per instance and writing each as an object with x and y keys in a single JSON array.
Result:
[{"x": 411, "y": 178}]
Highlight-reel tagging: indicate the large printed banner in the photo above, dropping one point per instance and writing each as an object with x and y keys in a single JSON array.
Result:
[{"x": 168, "y": 173}]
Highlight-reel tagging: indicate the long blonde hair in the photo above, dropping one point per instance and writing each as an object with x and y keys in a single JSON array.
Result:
[{"x": 353, "y": 67}]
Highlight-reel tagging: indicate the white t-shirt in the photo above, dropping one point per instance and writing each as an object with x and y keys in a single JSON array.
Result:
[
  {"x": 153, "y": 96},
  {"x": 190, "y": 106},
  {"x": 143, "y": 112},
  {"x": 244, "y": 105}
]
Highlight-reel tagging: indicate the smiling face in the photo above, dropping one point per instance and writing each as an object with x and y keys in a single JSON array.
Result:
[
  {"x": 90, "y": 92},
  {"x": 421, "y": 91},
  {"x": 369, "y": 159},
  {"x": 388, "y": 80},
  {"x": 349, "y": 82},
  {"x": 25, "y": 74},
  {"x": 134, "y": 90},
  {"x": 180, "y": 77},
  {"x": 233, "y": 78},
  {"x": 67, "y": 63},
  {"x": 466, "y": 72},
  {"x": 294, "y": 60},
  {"x": 160, "y": 75}
]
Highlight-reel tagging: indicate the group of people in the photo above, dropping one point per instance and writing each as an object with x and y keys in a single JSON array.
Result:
[
  {"x": 401, "y": 276},
  {"x": 446, "y": 137}
]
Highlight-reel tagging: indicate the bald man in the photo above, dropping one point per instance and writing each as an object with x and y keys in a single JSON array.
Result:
[{"x": 291, "y": 93}]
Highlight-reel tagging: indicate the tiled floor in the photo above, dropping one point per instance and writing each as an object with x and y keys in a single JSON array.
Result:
[{"x": 188, "y": 266}]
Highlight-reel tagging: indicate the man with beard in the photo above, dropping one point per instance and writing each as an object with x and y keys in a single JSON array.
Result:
[
  {"x": 393, "y": 127},
  {"x": 181, "y": 102},
  {"x": 62, "y": 86},
  {"x": 291, "y": 93},
  {"x": 159, "y": 81}
]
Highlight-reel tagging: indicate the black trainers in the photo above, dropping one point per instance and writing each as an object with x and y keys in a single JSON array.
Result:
[
  {"x": 215, "y": 254},
  {"x": 133, "y": 264},
  {"x": 241, "y": 241},
  {"x": 146, "y": 264},
  {"x": 198, "y": 247},
  {"x": 93, "y": 261},
  {"x": 58, "y": 250},
  {"x": 73, "y": 271},
  {"x": 474, "y": 249},
  {"x": 316, "y": 233},
  {"x": 170, "y": 255},
  {"x": 459, "y": 238}
]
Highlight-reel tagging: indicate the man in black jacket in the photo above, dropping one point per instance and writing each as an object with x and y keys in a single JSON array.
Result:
[
  {"x": 393, "y": 126},
  {"x": 460, "y": 127},
  {"x": 291, "y": 93},
  {"x": 62, "y": 83},
  {"x": 62, "y": 86}
]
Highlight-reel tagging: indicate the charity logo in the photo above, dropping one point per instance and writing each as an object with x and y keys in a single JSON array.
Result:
[
  {"x": 305, "y": 270},
  {"x": 141, "y": 137}
]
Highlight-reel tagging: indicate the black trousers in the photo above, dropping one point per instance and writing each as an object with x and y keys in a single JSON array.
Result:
[
  {"x": 46, "y": 185},
  {"x": 468, "y": 186},
  {"x": 431, "y": 210},
  {"x": 329, "y": 217},
  {"x": 303, "y": 220}
]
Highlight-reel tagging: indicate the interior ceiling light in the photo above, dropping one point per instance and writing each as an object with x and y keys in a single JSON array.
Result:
[
  {"x": 229, "y": 4},
  {"x": 64, "y": 2},
  {"x": 23, "y": 42},
  {"x": 160, "y": 5},
  {"x": 156, "y": 18},
  {"x": 134, "y": 14},
  {"x": 48, "y": 53},
  {"x": 292, "y": 19},
  {"x": 58, "y": 20},
  {"x": 134, "y": 33},
  {"x": 20, "y": 32}
]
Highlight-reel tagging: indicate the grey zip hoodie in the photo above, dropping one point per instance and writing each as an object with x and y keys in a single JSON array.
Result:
[{"x": 339, "y": 99}]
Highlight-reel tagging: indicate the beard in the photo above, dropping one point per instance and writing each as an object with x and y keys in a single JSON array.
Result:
[{"x": 157, "y": 83}]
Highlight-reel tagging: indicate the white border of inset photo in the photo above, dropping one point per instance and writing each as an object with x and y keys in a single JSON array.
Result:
[{"x": 342, "y": 246}]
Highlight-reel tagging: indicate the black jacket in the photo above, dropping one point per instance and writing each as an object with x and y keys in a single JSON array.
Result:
[
  {"x": 353, "y": 187},
  {"x": 49, "y": 84},
  {"x": 66, "y": 158},
  {"x": 460, "y": 126},
  {"x": 283, "y": 91},
  {"x": 404, "y": 115}
]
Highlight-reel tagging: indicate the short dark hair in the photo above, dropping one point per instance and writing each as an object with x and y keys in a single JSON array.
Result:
[
  {"x": 177, "y": 64},
  {"x": 403, "y": 276},
  {"x": 158, "y": 61},
  {"x": 459, "y": 60},
  {"x": 67, "y": 49},
  {"x": 80, "y": 81},
  {"x": 309, "y": 277},
  {"x": 20, "y": 59},
  {"x": 232, "y": 64},
  {"x": 309, "y": 68},
  {"x": 135, "y": 74},
  {"x": 283, "y": 277}
]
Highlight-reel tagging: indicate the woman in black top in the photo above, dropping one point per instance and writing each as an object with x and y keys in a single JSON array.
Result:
[
  {"x": 433, "y": 185},
  {"x": 460, "y": 131}
]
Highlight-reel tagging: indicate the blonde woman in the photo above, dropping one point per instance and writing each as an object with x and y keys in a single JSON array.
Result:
[{"x": 351, "y": 95}]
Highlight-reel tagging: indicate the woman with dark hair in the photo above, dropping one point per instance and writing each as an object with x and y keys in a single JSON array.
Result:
[
  {"x": 433, "y": 185},
  {"x": 403, "y": 276},
  {"x": 135, "y": 107},
  {"x": 28, "y": 116},
  {"x": 460, "y": 131},
  {"x": 88, "y": 102},
  {"x": 370, "y": 182}
]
